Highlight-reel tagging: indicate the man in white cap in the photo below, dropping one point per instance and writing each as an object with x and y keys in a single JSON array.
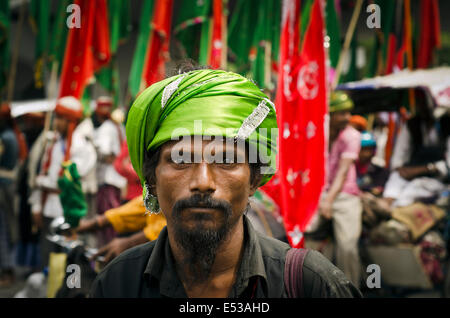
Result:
[
  {"x": 108, "y": 140},
  {"x": 68, "y": 142}
]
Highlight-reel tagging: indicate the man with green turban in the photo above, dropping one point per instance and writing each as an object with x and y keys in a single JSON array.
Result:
[
  {"x": 202, "y": 142},
  {"x": 340, "y": 201}
]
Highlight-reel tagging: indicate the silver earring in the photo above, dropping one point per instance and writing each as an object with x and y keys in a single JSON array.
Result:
[{"x": 150, "y": 201}]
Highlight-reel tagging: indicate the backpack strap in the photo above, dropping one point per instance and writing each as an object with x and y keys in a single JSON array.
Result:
[{"x": 293, "y": 272}]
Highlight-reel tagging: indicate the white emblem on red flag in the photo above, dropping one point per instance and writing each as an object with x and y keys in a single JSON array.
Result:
[
  {"x": 308, "y": 82},
  {"x": 296, "y": 235}
]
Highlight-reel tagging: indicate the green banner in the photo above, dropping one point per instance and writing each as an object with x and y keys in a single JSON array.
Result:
[
  {"x": 134, "y": 81},
  {"x": 58, "y": 34},
  {"x": 119, "y": 30}
]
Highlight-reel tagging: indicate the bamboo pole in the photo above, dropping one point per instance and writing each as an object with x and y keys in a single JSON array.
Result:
[
  {"x": 348, "y": 39},
  {"x": 52, "y": 92}
]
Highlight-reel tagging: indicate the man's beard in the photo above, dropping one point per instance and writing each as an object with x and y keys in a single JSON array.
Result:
[{"x": 200, "y": 243}]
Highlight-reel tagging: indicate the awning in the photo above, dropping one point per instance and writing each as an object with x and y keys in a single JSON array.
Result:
[
  {"x": 433, "y": 82},
  {"x": 20, "y": 108}
]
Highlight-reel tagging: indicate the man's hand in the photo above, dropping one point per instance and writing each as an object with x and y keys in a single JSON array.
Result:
[
  {"x": 87, "y": 225},
  {"x": 90, "y": 225},
  {"x": 38, "y": 220},
  {"x": 113, "y": 249},
  {"x": 410, "y": 173},
  {"x": 326, "y": 209},
  {"x": 118, "y": 245}
]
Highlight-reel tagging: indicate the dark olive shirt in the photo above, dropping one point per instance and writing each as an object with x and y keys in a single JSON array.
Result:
[{"x": 148, "y": 270}]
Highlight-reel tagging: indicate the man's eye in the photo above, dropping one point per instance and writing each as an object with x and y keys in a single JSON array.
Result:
[
  {"x": 228, "y": 160},
  {"x": 228, "y": 163},
  {"x": 179, "y": 161},
  {"x": 224, "y": 161}
]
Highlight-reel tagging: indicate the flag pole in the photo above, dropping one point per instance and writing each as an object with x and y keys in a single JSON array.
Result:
[
  {"x": 51, "y": 94},
  {"x": 348, "y": 38}
]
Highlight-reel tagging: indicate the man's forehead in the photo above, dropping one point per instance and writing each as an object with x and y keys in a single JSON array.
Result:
[{"x": 197, "y": 143}]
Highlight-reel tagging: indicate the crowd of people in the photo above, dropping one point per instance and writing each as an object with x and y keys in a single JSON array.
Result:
[
  {"x": 95, "y": 144},
  {"x": 363, "y": 189},
  {"x": 372, "y": 198}
]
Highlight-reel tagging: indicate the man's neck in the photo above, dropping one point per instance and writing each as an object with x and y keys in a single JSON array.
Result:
[{"x": 224, "y": 269}]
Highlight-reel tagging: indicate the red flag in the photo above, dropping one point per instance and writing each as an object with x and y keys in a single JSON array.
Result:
[
  {"x": 429, "y": 32},
  {"x": 406, "y": 47},
  {"x": 390, "y": 60},
  {"x": 87, "y": 48},
  {"x": 289, "y": 53},
  {"x": 286, "y": 93},
  {"x": 218, "y": 50},
  {"x": 158, "y": 46},
  {"x": 302, "y": 111}
]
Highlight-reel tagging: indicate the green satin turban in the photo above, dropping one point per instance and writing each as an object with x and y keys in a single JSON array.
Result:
[
  {"x": 340, "y": 101},
  {"x": 223, "y": 102}
]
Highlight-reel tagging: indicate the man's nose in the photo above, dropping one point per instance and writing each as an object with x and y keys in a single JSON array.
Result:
[{"x": 202, "y": 179}]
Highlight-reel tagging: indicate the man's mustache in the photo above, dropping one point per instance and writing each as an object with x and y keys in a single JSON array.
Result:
[{"x": 202, "y": 201}]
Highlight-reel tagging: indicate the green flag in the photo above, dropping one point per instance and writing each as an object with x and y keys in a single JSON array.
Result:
[
  {"x": 119, "y": 22},
  {"x": 58, "y": 35},
  {"x": 261, "y": 52},
  {"x": 71, "y": 195},
  {"x": 86, "y": 101},
  {"x": 276, "y": 29},
  {"x": 304, "y": 18},
  {"x": 119, "y": 27},
  {"x": 387, "y": 23},
  {"x": 260, "y": 43},
  {"x": 4, "y": 45},
  {"x": 108, "y": 77},
  {"x": 352, "y": 73},
  {"x": 134, "y": 81},
  {"x": 242, "y": 27},
  {"x": 40, "y": 21},
  {"x": 334, "y": 32},
  {"x": 205, "y": 40},
  {"x": 379, "y": 52},
  {"x": 191, "y": 26},
  {"x": 374, "y": 57}
]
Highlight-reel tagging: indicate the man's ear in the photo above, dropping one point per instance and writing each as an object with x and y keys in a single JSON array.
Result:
[
  {"x": 254, "y": 185},
  {"x": 152, "y": 190},
  {"x": 151, "y": 187}
]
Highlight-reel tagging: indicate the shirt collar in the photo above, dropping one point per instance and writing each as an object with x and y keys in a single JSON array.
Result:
[
  {"x": 161, "y": 270},
  {"x": 161, "y": 266},
  {"x": 252, "y": 263}
]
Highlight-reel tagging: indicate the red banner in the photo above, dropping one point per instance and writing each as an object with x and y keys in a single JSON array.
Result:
[
  {"x": 158, "y": 47},
  {"x": 302, "y": 109},
  {"x": 288, "y": 57},
  {"x": 218, "y": 39},
  {"x": 87, "y": 48},
  {"x": 430, "y": 34}
]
